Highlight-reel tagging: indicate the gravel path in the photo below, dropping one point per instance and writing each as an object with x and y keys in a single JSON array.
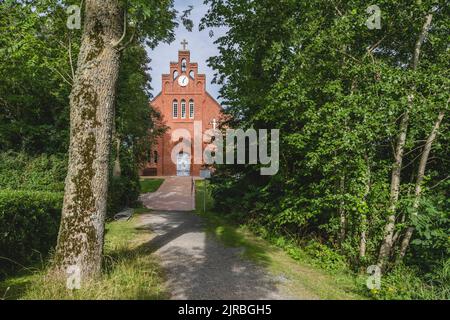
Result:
[{"x": 197, "y": 266}]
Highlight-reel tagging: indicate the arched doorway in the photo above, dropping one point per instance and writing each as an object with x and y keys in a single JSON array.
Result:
[{"x": 183, "y": 164}]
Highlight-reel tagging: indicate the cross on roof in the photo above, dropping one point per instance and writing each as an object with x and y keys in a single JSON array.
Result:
[
  {"x": 214, "y": 123},
  {"x": 184, "y": 43}
]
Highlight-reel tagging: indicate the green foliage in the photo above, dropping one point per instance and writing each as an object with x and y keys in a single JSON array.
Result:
[
  {"x": 137, "y": 125},
  {"x": 19, "y": 171},
  {"x": 29, "y": 223},
  {"x": 404, "y": 283},
  {"x": 281, "y": 255},
  {"x": 123, "y": 192},
  {"x": 336, "y": 90},
  {"x": 431, "y": 242},
  {"x": 41, "y": 56},
  {"x": 35, "y": 76},
  {"x": 325, "y": 257}
]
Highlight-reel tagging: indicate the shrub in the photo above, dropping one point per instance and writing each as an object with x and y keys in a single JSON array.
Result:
[
  {"x": 325, "y": 257},
  {"x": 405, "y": 283},
  {"x": 29, "y": 223},
  {"x": 19, "y": 171},
  {"x": 123, "y": 192}
]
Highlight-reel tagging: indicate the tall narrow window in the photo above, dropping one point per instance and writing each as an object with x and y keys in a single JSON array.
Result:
[
  {"x": 191, "y": 109},
  {"x": 183, "y": 109},
  {"x": 155, "y": 156},
  {"x": 183, "y": 65},
  {"x": 175, "y": 109}
]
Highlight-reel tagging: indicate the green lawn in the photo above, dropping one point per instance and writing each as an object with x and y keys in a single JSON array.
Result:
[
  {"x": 150, "y": 185},
  {"x": 306, "y": 279},
  {"x": 130, "y": 272}
]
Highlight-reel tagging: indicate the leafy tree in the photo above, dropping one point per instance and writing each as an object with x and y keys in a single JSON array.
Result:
[
  {"x": 47, "y": 61},
  {"x": 105, "y": 29},
  {"x": 339, "y": 92},
  {"x": 35, "y": 76}
]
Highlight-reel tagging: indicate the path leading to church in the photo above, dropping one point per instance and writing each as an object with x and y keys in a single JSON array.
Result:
[
  {"x": 196, "y": 265},
  {"x": 175, "y": 194}
]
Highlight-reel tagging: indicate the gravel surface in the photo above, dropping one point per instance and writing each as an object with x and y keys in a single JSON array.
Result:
[{"x": 197, "y": 266}]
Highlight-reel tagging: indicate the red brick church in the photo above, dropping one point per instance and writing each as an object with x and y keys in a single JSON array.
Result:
[{"x": 183, "y": 99}]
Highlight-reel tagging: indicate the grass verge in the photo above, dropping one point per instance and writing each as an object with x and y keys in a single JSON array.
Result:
[
  {"x": 130, "y": 272},
  {"x": 303, "y": 279},
  {"x": 150, "y": 185}
]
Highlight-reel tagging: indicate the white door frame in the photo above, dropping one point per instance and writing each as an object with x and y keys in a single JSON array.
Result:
[{"x": 183, "y": 164}]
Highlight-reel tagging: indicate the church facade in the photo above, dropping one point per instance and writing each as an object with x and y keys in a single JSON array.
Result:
[{"x": 182, "y": 101}]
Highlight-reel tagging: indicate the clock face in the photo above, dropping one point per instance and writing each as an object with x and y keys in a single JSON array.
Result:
[{"x": 183, "y": 81}]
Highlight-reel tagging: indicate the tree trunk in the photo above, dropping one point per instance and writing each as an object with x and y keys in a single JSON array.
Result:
[
  {"x": 342, "y": 217},
  {"x": 420, "y": 176},
  {"x": 386, "y": 245},
  {"x": 363, "y": 235},
  {"x": 81, "y": 233}
]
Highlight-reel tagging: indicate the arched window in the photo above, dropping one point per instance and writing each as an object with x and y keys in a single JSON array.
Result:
[
  {"x": 183, "y": 109},
  {"x": 183, "y": 65},
  {"x": 155, "y": 156},
  {"x": 175, "y": 109},
  {"x": 192, "y": 74},
  {"x": 175, "y": 74},
  {"x": 191, "y": 109}
]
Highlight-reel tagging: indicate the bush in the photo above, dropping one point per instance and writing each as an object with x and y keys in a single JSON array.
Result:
[
  {"x": 29, "y": 223},
  {"x": 123, "y": 192},
  {"x": 325, "y": 257},
  {"x": 19, "y": 171},
  {"x": 404, "y": 283}
]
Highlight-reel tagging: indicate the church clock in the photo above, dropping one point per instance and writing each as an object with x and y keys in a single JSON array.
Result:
[{"x": 183, "y": 81}]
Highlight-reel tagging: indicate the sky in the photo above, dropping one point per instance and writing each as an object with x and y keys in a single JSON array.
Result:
[{"x": 199, "y": 43}]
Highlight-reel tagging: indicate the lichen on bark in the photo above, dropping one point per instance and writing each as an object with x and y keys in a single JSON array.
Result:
[{"x": 80, "y": 240}]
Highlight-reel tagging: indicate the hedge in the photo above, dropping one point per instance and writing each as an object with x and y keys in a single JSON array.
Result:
[
  {"x": 29, "y": 222},
  {"x": 19, "y": 171}
]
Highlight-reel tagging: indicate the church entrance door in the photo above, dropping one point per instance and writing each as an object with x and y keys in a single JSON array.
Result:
[{"x": 183, "y": 164}]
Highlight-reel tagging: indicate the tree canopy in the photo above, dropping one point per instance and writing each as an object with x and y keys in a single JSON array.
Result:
[{"x": 338, "y": 91}]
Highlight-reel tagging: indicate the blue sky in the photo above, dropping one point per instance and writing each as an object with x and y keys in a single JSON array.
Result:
[{"x": 200, "y": 45}]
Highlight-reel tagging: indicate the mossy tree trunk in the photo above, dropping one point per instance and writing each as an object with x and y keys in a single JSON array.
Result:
[{"x": 80, "y": 239}]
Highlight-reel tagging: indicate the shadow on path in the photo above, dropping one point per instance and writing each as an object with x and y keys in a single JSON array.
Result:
[{"x": 197, "y": 266}]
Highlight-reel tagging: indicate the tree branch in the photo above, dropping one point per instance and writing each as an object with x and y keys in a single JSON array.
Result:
[
  {"x": 128, "y": 42},
  {"x": 116, "y": 43},
  {"x": 70, "y": 59},
  {"x": 62, "y": 76},
  {"x": 420, "y": 41}
]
